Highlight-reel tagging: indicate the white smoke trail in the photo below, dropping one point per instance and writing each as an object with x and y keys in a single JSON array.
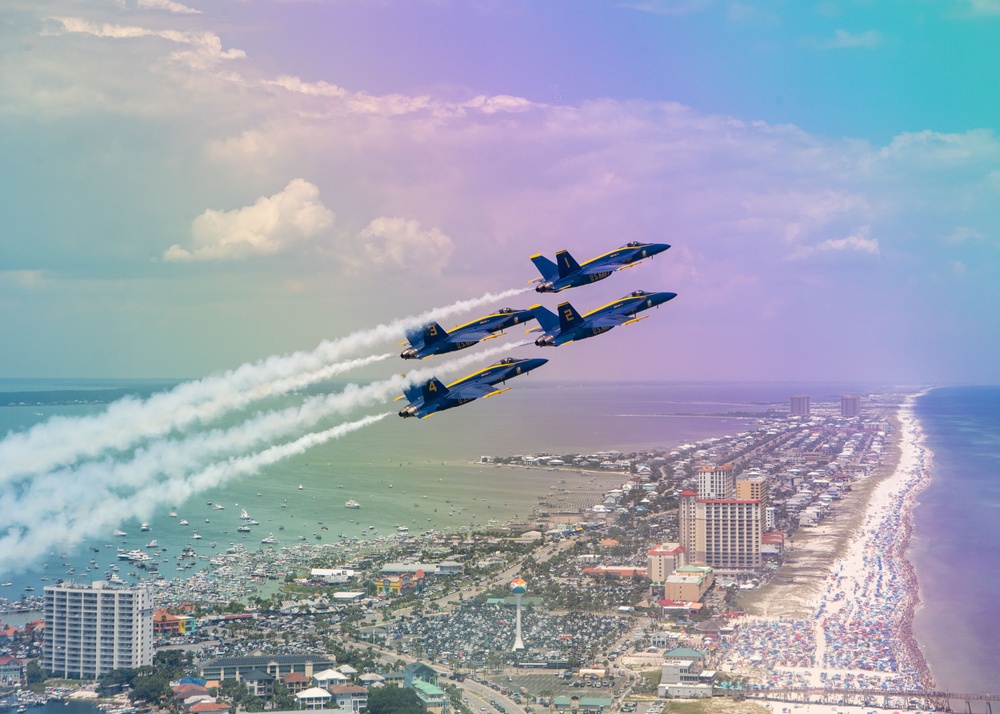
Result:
[
  {"x": 170, "y": 460},
  {"x": 82, "y": 509},
  {"x": 64, "y": 440}
]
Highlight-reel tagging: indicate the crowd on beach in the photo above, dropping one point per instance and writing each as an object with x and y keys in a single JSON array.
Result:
[{"x": 859, "y": 636}]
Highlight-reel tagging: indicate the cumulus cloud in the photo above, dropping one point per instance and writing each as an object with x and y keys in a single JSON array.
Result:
[
  {"x": 399, "y": 242},
  {"x": 273, "y": 224},
  {"x": 169, "y": 6},
  {"x": 857, "y": 242},
  {"x": 202, "y": 49},
  {"x": 399, "y": 104}
]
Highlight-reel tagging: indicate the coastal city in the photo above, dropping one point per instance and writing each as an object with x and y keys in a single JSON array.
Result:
[{"x": 766, "y": 567}]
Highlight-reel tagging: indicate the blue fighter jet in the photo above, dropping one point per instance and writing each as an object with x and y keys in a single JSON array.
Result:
[
  {"x": 569, "y": 325},
  {"x": 432, "y": 339},
  {"x": 432, "y": 396},
  {"x": 567, "y": 273}
]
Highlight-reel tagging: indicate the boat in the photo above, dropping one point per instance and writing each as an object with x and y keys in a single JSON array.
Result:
[
  {"x": 119, "y": 533},
  {"x": 173, "y": 514},
  {"x": 144, "y": 527},
  {"x": 183, "y": 522},
  {"x": 301, "y": 487},
  {"x": 244, "y": 515},
  {"x": 252, "y": 522},
  {"x": 351, "y": 503},
  {"x": 402, "y": 529},
  {"x": 243, "y": 529},
  {"x": 270, "y": 540},
  {"x": 196, "y": 535},
  {"x": 152, "y": 544},
  {"x": 218, "y": 507}
]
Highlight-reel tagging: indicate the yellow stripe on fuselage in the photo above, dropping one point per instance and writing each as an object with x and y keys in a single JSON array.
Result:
[
  {"x": 477, "y": 322},
  {"x": 484, "y": 370},
  {"x": 619, "y": 301},
  {"x": 604, "y": 255}
]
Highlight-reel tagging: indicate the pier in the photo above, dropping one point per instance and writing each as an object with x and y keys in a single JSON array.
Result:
[{"x": 919, "y": 699}]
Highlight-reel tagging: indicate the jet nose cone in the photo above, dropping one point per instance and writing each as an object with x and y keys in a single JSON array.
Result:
[{"x": 664, "y": 297}]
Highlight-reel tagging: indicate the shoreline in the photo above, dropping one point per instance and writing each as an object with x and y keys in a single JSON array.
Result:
[{"x": 859, "y": 633}]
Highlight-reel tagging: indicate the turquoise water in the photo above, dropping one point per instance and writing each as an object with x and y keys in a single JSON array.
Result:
[{"x": 421, "y": 474}]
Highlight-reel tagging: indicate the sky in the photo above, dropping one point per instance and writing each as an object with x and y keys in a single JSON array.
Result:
[{"x": 190, "y": 186}]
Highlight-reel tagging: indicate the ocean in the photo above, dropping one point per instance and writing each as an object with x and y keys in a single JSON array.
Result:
[
  {"x": 421, "y": 474},
  {"x": 425, "y": 474},
  {"x": 956, "y": 543}
]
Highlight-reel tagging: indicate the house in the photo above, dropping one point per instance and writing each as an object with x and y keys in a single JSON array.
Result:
[
  {"x": 329, "y": 678},
  {"x": 11, "y": 672},
  {"x": 314, "y": 698},
  {"x": 170, "y": 624},
  {"x": 402, "y": 584},
  {"x": 295, "y": 682},
  {"x": 433, "y": 698},
  {"x": 259, "y": 683},
  {"x": 209, "y": 708},
  {"x": 349, "y": 697},
  {"x": 418, "y": 671},
  {"x": 685, "y": 678}
]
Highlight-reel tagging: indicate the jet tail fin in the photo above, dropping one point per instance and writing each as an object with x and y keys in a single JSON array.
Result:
[
  {"x": 432, "y": 389},
  {"x": 567, "y": 263},
  {"x": 568, "y": 316},
  {"x": 546, "y": 267},
  {"x": 546, "y": 319}
]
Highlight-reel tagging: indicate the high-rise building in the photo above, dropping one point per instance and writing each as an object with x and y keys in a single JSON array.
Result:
[
  {"x": 687, "y": 519},
  {"x": 715, "y": 481},
  {"x": 751, "y": 488},
  {"x": 799, "y": 405},
  {"x": 850, "y": 405},
  {"x": 729, "y": 533},
  {"x": 722, "y": 533},
  {"x": 93, "y": 629}
]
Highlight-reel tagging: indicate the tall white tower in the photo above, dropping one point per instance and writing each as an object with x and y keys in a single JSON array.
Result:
[{"x": 518, "y": 587}]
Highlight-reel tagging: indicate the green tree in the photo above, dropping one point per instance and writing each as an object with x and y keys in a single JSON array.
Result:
[{"x": 393, "y": 700}]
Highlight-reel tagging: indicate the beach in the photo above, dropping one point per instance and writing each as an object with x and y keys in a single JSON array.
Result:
[{"x": 859, "y": 633}]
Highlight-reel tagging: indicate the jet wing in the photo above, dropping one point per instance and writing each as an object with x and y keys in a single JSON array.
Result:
[
  {"x": 600, "y": 268},
  {"x": 472, "y": 390},
  {"x": 473, "y": 334},
  {"x": 612, "y": 320}
]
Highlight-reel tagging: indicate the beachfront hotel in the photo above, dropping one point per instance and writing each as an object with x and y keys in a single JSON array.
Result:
[
  {"x": 721, "y": 525},
  {"x": 93, "y": 629}
]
